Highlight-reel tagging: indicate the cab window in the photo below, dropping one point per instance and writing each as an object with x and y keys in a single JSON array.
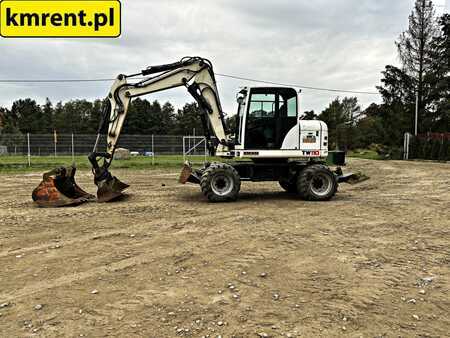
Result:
[{"x": 262, "y": 106}]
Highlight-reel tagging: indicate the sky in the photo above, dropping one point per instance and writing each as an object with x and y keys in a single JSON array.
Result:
[{"x": 322, "y": 43}]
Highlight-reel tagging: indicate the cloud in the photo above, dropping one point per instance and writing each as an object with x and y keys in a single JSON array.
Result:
[{"x": 324, "y": 43}]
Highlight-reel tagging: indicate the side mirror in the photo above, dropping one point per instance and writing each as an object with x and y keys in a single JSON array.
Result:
[{"x": 240, "y": 99}]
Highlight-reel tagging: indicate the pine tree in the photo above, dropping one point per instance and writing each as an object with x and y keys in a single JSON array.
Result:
[
  {"x": 415, "y": 47},
  {"x": 188, "y": 119},
  {"x": 340, "y": 116},
  {"x": 27, "y": 114},
  {"x": 309, "y": 115},
  {"x": 46, "y": 123},
  {"x": 439, "y": 78}
]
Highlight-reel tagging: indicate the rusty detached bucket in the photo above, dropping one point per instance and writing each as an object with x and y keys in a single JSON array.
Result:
[{"x": 58, "y": 189}]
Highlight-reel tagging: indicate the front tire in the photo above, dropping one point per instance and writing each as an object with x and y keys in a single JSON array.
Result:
[
  {"x": 317, "y": 183},
  {"x": 220, "y": 183}
]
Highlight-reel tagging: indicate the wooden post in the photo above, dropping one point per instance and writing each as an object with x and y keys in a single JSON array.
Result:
[{"x": 29, "y": 150}]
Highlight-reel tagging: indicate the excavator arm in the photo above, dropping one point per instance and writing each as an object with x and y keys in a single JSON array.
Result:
[{"x": 194, "y": 73}]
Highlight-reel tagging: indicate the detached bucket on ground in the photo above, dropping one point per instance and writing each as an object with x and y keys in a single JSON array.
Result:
[{"x": 58, "y": 189}]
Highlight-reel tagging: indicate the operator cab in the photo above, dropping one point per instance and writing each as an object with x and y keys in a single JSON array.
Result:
[
  {"x": 265, "y": 116},
  {"x": 268, "y": 126}
]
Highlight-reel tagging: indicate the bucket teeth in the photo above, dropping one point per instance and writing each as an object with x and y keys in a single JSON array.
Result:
[{"x": 58, "y": 188}]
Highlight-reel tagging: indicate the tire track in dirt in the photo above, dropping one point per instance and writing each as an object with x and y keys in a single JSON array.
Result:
[
  {"x": 64, "y": 280},
  {"x": 78, "y": 240}
]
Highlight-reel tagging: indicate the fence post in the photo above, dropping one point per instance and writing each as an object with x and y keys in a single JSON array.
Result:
[
  {"x": 73, "y": 150},
  {"x": 189, "y": 144},
  {"x": 29, "y": 150},
  {"x": 205, "y": 148},
  {"x": 416, "y": 117},
  {"x": 184, "y": 150},
  {"x": 153, "y": 150},
  {"x": 406, "y": 144},
  {"x": 55, "y": 139}
]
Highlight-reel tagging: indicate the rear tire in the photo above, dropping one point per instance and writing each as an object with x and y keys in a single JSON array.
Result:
[
  {"x": 290, "y": 187},
  {"x": 317, "y": 183},
  {"x": 220, "y": 183}
]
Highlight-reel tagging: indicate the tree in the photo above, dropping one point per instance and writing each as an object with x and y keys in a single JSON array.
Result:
[
  {"x": 397, "y": 86},
  {"x": 73, "y": 117},
  {"x": 27, "y": 115},
  {"x": 8, "y": 122},
  {"x": 3, "y": 112},
  {"x": 397, "y": 111},
  {"x": 369, "y": 128},
  {"x": 167, "y": 118},
  {"x": 231, "y": 122},
  {"x": 95, "y": 117},
  {"x": 309, "y": 115},
  {"x": 46, "y": 123},
  {"x": 138, "y": 117},
  {"x": 59, "y": 117},
  {"x": 440, "y": 78},
  {"x": 415, "y": 47},
  {"x": 340, "y": 118},
  {"x": 188, "y": 119},
  {"x": 161, "y": 119},
  {"x": 149, "y": 118}
]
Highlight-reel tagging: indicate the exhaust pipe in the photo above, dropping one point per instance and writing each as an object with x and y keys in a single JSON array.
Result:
[{"x": 58, "y": 189}]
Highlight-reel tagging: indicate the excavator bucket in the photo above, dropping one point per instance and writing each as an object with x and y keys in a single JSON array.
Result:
[
  {"x": 109, "y": 186},
  {"x": 58, "y": 189},
  {"x": 110, "y": 189}
]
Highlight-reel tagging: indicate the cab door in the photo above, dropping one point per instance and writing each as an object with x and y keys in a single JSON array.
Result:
[{"x": 271, "y": 114}]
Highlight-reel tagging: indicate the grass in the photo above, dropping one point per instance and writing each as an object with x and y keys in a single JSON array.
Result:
[
  {"x": 18, "y": 164},
  {"x": 365, "y": 154}
]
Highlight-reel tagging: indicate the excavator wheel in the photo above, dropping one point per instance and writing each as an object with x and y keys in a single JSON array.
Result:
[
  {"x": 317, "y": 183},
  {"x": 220, "y": 182}
]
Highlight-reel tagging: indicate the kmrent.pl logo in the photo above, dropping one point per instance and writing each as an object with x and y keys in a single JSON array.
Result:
[{"x": 67, "y": 18}]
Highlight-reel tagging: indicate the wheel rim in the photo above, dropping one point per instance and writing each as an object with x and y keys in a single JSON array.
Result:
[
  {"x": 321, "y": 184},
  {"x": 222, "y": 185}
]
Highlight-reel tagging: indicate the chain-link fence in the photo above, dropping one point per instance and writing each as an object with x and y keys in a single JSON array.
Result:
[
  {"x": 430, "y": 146},
  {"x": 25, "y": 147}
]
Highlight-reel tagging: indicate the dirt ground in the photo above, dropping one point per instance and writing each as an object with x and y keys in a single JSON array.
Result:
[{"x": 373, "y": 262}]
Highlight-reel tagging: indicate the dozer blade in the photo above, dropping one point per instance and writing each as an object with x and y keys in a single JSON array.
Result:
[
  {"x": 110, "y": 189},
  {"x": 185, "y": 173},
  {"x": 189, "y": 175},
  {"x": 58, "y": 189},
  {"x": 353, "y": 178}
]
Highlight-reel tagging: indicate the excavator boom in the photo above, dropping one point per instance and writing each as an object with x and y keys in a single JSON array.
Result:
[{"x": 194, "y": 73}]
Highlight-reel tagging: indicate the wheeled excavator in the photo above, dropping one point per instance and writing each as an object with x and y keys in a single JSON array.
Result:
[{"x": 270, "y": 143}]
